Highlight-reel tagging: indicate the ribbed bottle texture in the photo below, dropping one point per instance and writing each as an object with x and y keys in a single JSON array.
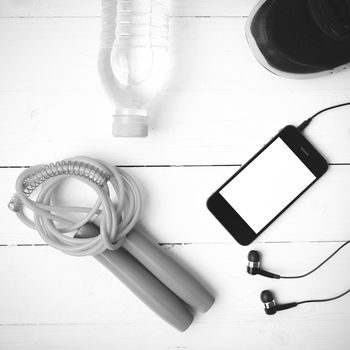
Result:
[{"x": 139, "y": 61}]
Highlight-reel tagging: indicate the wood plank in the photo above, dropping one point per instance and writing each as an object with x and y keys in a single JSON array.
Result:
[
  {"x": 91, "y": 8},
  {"x": 174, "y": 209},
  {"x": 211, "y": 111},
  {"x": 207, "y": 54},
  {"x": 321, "y": 336},
  {"x": 185, "y": 128},
  {"x": 50, "y": 299}
]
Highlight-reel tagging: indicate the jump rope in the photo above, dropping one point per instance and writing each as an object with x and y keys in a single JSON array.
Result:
[{"x": 107, "y": 232}]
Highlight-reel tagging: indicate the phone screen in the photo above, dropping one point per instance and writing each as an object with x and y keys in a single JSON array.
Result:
[{"x": 267, "y": 185}]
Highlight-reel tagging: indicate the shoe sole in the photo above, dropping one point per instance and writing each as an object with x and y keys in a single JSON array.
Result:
[{"x": 262, "y": 60}]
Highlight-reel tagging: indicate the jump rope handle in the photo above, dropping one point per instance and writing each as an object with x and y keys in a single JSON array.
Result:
[
  {"x": 168, "y": 271},
  {"x": 142, "y": 283}
]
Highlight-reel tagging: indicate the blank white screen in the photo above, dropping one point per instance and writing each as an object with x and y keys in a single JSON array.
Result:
[{"x": 267, "y": 185}]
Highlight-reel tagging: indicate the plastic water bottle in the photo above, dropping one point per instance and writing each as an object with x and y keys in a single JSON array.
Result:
[{"x": 138, "y": 59}]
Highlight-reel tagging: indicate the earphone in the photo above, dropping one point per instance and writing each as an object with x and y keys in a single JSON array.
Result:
[
  {"x": 253, "y": 267},
  {"x": 266, "y": 296},
  {"x": 271, "y": 307},
  {"x": 269, "y": 302}
]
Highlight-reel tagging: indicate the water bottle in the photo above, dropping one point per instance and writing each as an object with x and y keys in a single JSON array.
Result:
[{"x": 133, "y": 59}]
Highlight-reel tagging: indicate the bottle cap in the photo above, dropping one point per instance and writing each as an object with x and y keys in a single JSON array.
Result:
[{"x": 134, "y": 124}]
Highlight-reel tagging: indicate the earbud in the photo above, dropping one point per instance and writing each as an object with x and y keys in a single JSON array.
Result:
[
  {"x": 253, "y": 262},
  {"x": 269, "y": 302},
  {"x": 253, "y": 266},
  {"x": 266, "y": 296}
]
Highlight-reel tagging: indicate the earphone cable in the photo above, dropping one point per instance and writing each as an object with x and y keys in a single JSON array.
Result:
[
  {"x": 306, "y": 122},
  {"x": 318, "y": 266},
  {"x": 323, "y": 300}
]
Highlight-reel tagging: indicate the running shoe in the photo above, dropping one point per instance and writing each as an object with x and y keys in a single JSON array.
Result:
[{"x": 301, "y": 38}]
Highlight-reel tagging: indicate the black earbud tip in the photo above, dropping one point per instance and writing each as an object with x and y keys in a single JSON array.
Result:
[
  {"x": 266, "y": 296},
  {"x": 254, "y": 256}
]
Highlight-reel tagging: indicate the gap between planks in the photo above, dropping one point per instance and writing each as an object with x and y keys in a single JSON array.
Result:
[
  {"x": 175, "y": 244},
  {"x": 87, "y": 17},
  {"x": 161, "y": 166}
]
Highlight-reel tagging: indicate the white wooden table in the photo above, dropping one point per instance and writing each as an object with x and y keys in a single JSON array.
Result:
[{"x": 217, "y": 108}]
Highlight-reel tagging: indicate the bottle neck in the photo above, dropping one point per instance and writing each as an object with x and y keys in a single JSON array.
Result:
[{"x": 128, "y": 122}]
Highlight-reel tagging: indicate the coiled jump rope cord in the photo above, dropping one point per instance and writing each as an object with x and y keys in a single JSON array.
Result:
[{"x": 116, "y": 220}]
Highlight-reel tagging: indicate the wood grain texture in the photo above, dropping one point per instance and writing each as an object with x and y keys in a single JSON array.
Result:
[
  {"x": 216, "y": 109},
  {"x": 224, "y": 335},
  {"x": 52, "y": 101},
  {"x": 91, "y": 8},
  {"x": 87, "y": 305}
]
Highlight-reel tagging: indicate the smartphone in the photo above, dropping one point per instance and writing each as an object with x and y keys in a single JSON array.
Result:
[{"x": 263, "y": 188}]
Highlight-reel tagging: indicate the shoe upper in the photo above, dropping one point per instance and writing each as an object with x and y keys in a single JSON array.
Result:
[
  {"x": 332, "y": 17},
  {"x": 303, "y": 36}
]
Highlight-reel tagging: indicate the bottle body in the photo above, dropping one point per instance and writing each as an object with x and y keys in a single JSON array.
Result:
[{"x": 138, "y": 59}]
